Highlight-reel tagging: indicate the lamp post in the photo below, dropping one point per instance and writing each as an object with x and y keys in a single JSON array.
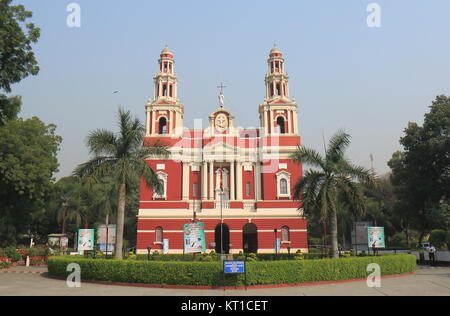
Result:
[
  {"x": 65, "y": 205},
  {"x": 221, "y": 196},
  {"x": 107, "y": 233},
  {"x": 276, "y": 241}
]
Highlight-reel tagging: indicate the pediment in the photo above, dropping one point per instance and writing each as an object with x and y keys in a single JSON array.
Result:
[{"x": 221, "y": 147}]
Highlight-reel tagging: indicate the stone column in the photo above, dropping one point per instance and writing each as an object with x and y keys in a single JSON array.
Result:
[
  {"x": 170, "y": 122},
  {"x": 186, "y": 183},
  {"x": 232, "y": 183},
  {"x": 295, "y": 122},
  {"x": 289, "y": 121},
  {"x": 271, "y": 122},
  {"x": 211, "y": 181},
  {"x": 205, "y": 181},
  {"x": 148, "y": 127},
  {"x": 239, "y": 181},
  {"x": 266, "y": 127},
  {"x": 153, "y": 122},
  {"x": 257, "y": 181}
]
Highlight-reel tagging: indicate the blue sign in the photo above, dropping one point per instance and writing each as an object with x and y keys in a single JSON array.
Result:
[{"x": 233, "y": 267}]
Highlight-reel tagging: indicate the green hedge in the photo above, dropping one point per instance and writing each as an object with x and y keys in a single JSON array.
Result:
[
  {"x": 210, "y": 273},
  {"x": 216, "y": 257}
]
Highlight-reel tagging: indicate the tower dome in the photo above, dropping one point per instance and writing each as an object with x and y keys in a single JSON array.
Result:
[
  {"x": 166, "y": 52},
  {"x": 275, "y": 52}
]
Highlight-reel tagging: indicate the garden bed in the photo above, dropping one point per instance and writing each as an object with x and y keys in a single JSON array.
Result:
[{"x": 210, "y": 273}]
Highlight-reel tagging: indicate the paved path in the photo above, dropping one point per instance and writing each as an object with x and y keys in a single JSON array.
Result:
[{"x": 427, "y": 281}]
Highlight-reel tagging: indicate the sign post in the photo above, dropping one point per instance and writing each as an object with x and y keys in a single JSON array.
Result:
[
  {"x": 85, "y": 240},
  {"x": 106, "y": 238},
  {"x": 375, "y": 237},
  {"x": 235, "y": 267},
  {"x": 194, "y": 238}
]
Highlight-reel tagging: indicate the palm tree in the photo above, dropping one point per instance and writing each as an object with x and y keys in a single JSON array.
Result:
[
  {"x": 69, "y": 212},
  {"x": 330, "y": 182},
  {"x": 121, "y": 157}
]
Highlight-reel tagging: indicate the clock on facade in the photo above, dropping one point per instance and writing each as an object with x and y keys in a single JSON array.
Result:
[{"x": 221, "y": 122}]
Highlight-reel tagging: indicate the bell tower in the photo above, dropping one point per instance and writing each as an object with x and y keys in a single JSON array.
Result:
[
  {"x": 278, "y": 113},
  {"x": 164, "y": 113}
]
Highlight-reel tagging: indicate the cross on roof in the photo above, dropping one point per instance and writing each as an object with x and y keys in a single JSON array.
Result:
[{"x": 221, "y": 87}]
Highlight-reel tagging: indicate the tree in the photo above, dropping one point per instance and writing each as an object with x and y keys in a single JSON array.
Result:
[
  {"x": 9, "y": 108},
  {"x": 73, "y": 203},
  {"x": 121, "y": 157},
  {"x": 331, "y": 182},
  {"x": 421, "y": 172},
  {"x": 440, "y": 238},
  {"x": 68, "y": 202},
  {"x": 17, "y": 60},
  {"x": 28, "y": 160}
]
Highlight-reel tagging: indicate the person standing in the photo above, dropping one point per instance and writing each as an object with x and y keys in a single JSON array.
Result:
[{"x": 432, "y": 254}]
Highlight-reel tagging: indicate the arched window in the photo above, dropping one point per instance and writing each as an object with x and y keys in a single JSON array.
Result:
[
  {"x": 283, "y": 187},
  {"x": 248, "y": 189},
  {"x": 162, "y": 126},
  {"x": 285, "y": 234},
  {"x": 163, "y": 179},
  {"x": 159, "y": 235},
  {"x": 278, "y": 87},
  {"x": 280, "y": 125},
  {"x": 283, "y": 184}
]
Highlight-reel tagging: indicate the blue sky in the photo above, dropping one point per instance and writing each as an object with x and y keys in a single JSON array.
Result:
[{"x": 370, "y": 82}]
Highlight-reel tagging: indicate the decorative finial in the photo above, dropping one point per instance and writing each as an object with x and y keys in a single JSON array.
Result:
[
  {"x": 221, "y": 100},
  {"x": 221, "y": 95}
]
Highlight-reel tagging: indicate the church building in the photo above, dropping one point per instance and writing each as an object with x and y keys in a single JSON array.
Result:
[{"x": 238, "y": 182}]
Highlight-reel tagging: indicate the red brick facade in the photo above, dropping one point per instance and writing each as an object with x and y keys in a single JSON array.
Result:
[{"x": 250, "y": 168}]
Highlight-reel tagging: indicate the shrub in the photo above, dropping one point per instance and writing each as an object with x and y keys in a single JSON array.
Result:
[
  {"x": 38, "y": 252},
  {"x": 252, "y": 257},
  {"x": 206, "y": 258},
  {"x": 315, "y": 251},
  {"x": 5, "y": 264},
  {"x": 132, "y": 257},
  {"x": 37, "y": 262},
  {"x": 315, "y": 241},
  {"x": 439, "y": 238},
  {"x": 398, "y": 241},
  {"x": 12, "y": 253},
  {"x": 345, "y": 254},
  {"x": 216, "y": 257},
  {"x": 312, "y": 256},
  {"x": 210, "y": 273}
]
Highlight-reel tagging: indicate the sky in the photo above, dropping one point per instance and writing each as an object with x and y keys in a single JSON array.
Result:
[{"x": 344, "y": 75}]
